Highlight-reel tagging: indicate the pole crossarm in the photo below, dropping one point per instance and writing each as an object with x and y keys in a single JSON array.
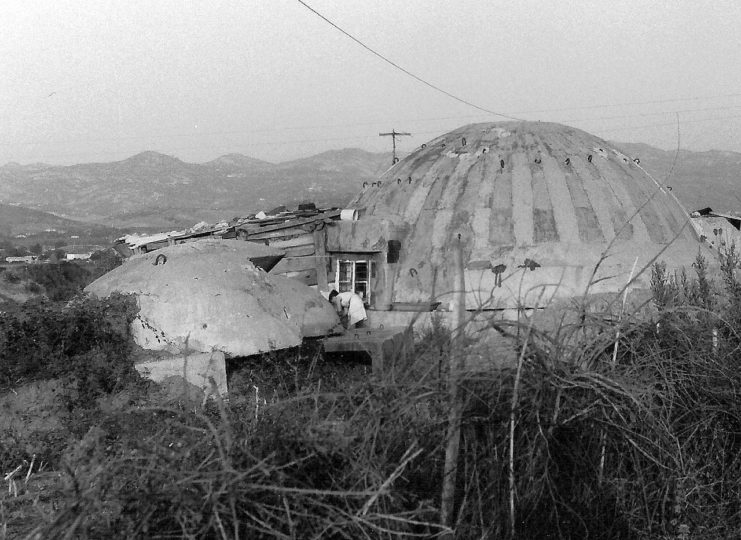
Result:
[{"x": 393, "y": 134}]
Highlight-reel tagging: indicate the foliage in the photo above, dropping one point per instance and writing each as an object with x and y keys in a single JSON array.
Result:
[
  {"x": 623, "y": 428},
  {"x": 105, "y": 260},
  {"x": 86, "y": 340},
  {"x": 61, "y": 281}
]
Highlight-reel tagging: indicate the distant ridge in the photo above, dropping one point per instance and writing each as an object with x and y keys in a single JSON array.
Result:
[
  {"x": 235, "y": 162},
  {"x": 151, "y": 189},
  {"x": 700, "y": 179},
  {"x": 18, "y": 219}
]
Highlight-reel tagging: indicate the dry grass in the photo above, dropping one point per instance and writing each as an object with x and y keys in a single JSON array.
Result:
[{"x": 645, "y": 443}]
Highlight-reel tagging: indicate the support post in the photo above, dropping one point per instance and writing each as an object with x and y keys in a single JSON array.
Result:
[
  {"x": 452, "y": 446},
  {"x": 320, "y": 254}
]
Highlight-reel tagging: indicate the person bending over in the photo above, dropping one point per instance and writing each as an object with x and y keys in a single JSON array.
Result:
[{"x": 350, "y": 308}]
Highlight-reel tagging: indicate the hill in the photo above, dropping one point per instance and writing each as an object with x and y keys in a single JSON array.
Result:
[
  {"x": 699, "y": 179},
  {"x": 16, "y": 220},
  {"x": 156, "y": 190}
]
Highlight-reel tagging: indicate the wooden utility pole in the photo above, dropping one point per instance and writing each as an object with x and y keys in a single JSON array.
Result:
[
  {"x": 393, "y": 136},
  {"x": 452, "y": 442}
]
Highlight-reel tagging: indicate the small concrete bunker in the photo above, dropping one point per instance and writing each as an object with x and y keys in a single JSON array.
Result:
[
  {"x": 535, "y": 207},
  {"x": 203, "y": 301}
]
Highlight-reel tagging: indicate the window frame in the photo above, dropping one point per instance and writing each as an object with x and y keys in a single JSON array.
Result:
[{"x": 353, "y": 282}]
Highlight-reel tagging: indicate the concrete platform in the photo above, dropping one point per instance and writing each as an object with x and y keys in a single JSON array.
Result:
[{"x": 383, "y": 345}]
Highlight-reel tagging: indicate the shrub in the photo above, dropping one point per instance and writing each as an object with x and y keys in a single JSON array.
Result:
[
  {"x": 62, "y": 281},
  {"x": 87, "y": 340}
]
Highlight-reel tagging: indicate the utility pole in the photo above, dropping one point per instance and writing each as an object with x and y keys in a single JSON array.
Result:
[{"x": 393, "y": 136}]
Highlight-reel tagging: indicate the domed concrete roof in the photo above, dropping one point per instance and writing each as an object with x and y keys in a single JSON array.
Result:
[
  {"x": 207, "y": 296},
  {"x": 532, "y": 203}
]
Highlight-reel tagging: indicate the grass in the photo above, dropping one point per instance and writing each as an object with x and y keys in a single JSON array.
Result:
[{"x": 638, "y": 440}]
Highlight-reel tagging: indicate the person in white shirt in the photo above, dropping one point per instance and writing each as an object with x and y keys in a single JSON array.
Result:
[{"x": 350, "y": 307}]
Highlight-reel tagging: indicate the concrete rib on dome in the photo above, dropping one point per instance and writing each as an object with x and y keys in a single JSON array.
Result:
[{"x": 519, "y": 193}]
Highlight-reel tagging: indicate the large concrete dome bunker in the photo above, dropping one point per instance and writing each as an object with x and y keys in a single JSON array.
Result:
[{"x": 537, "y": 208}]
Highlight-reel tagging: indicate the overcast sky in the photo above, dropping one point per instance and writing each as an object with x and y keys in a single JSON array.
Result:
[{"x": 101, "y": 80}]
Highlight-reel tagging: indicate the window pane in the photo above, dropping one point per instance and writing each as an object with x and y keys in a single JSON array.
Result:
[
  {"x": 345, "y": 270},
  {"x": 361, "y": 271},
  {"x": 362, "y": 289}
]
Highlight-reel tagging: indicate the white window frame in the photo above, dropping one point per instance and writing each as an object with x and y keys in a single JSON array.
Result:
[{"x": 353, "y": 277}]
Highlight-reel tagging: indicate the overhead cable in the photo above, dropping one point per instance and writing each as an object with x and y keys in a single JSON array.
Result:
[{"x": 397, "y": 66}]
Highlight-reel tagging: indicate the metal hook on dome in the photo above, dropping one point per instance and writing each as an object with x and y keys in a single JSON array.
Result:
[
  {"x": 424, "y": 145},
  {"x": 398, "y": 181},
  {"x": 413, "y": 272},
  {"x": 409, "y": 180},
  {"x": 396, "y": 160},
  {"x": 501, "y": 163},
  {"x": 379, "y": 183},
  {"x": 498, "y": 270},
  {"x": 589, "y": 158},
  {"x": 568, "y": 161},
  {"x": 160, "y": 257},
  {"x": 529, "y": 264},
  {"x": 463, "y": 141},
  {"x": 365, "y": 185},
  {"x": 637, "y": 161}
]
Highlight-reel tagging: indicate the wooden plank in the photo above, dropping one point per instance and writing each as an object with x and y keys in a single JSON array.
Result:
[
  {"x": 299, "y": 251},
  {"x": 305, "y": 240},
  {"x": 255, "y": 228},
  {"x": 320, "y": 249},
  {"x": 294, "y": 264},
  {"x": 307, "y": 277},
  {"x": 285, "y": 234}
]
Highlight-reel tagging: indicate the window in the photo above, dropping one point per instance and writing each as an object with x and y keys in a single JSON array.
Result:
[{"x": 355, "y": 276}]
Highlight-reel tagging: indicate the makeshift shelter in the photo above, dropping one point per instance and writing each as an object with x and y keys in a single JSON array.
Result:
[
  {"x": 536, "y": 208},
  {"x": 719, "y": 230},
  {"x": 207, "y": 297}
]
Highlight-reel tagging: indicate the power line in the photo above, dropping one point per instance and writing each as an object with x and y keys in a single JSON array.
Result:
[
  {"x": 397, "y": 66},
  {"x": 629, "y": 103},
  {"x": 344, "y": 125},
  {"x": 314, "y": 141}
]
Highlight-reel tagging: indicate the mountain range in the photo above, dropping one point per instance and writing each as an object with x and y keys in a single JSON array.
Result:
[
  {"x": 157, "y": 190},
  {"x": 161, "y": 192}
]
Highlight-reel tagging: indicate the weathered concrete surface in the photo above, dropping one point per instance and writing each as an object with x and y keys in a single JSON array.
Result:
[
  {"x": 205, "y": 371},
  {"x": 207, "y": 296},
  {"x": 534, "y": 205}
]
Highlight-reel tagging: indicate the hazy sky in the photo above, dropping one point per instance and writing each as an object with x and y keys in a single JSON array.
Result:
[{"x": 101, "y": 80}]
